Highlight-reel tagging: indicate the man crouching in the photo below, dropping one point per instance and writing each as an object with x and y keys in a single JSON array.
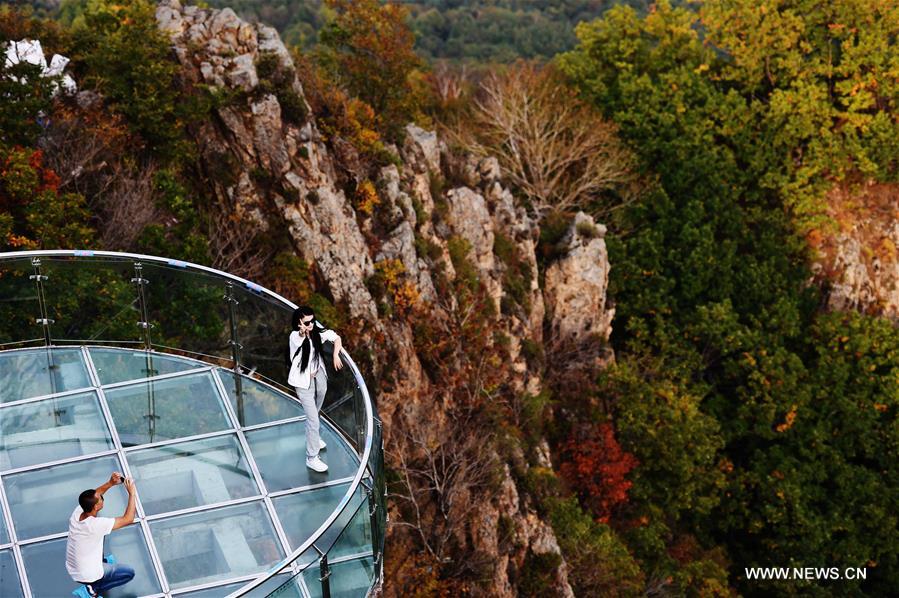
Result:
[{"x": 84, "y": 549}]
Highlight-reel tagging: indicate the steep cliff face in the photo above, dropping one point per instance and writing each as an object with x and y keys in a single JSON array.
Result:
[
  {"x": 857, "y": 259},
  {"x": 276, "y": 172}
]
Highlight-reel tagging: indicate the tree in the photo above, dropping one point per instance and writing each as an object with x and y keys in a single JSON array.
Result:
[
  {"x": 368, "y": 49},
  {"x": 124, "y": 56},
  {"x": 555, "y": 148}
]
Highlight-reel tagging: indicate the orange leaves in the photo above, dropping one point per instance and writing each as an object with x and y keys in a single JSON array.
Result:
[{"x": 597, "y": 467}]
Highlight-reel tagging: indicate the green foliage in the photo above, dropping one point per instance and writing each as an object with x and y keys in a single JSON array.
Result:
[
  {"x": 35, "y": 214},
  {"x": 599, "y": 563},
  {"x": 275, "y": 79},
  {"x": 538, "y": 575},
  {"x": 517, "y": 275},
  {"x": 181, "y": 239},
  {"x": 123, "y": 55},
  {"x": 754, "y": 417}
]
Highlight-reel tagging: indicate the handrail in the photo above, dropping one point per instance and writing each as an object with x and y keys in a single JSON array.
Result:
[{"x": 360, "y": 382}]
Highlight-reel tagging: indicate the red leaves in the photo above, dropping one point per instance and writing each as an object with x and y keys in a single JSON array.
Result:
[{"x": 597, "y": 467}]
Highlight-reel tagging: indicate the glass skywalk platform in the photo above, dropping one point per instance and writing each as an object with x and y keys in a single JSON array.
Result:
[{"x": 226, "y": 505}]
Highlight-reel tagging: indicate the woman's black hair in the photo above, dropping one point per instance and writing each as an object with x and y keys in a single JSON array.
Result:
[{"x": 316, "y": 337}]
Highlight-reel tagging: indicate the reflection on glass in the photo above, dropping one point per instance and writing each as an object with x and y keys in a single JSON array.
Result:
[
  {"x": 188, "y": 310},
  {"x": 216, "y": 545},
  {"x": 167, "y": 409},
  {"x": 38, "y": 372},
  {"x": 262, "y": 328},
  {"x": 51, "y": 430},
  {"x": 257, "y": 403},
  {"x": 19, "y": 306},
  {"x": 348, "y": 579},
  {"x": 42, "y": 500},
  {"x": 118, "y": 365},
  {"x": 291, "y": 589},
  {"x": 91, "y": 300},
  {"x": 356, "y": 535},
  {"x": 45, "y": 565},
  {"x": 304, "y": 512},
  {"x": 280, "y": 453},
  {"x": 191, "y": 474},
  {"x": 9, "y": 575}
]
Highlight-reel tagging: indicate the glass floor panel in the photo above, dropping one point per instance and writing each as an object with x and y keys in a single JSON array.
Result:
[
  {"x": 260, "y": 404},
  {"x": 215, "y": 545},
  {"x": 39, "y": 372},
  {"x": 191, "y": 474},
  {"x": 280, "y": 453},
  {"x": 52, "y": 429},
  {"x": 167, "y": 409},
  {"x": 349, "y": 579},
  {"x": 42, "y": 500},
  {"x": 120, "y": 365},
  {"x": 46, "y": 566},
  {"x": 9, "y": 575}
]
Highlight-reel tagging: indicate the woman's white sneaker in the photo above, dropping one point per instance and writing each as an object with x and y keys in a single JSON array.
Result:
[
  {"x": 316, "y": 464},
  {"x": 321, "y": 444}
]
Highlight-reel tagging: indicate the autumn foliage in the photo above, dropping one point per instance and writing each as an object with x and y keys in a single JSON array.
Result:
[{"x": 597, "y": 467}]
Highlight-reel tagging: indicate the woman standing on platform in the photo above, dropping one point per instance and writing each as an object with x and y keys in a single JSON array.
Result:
[{"x": 309, "y": 376}]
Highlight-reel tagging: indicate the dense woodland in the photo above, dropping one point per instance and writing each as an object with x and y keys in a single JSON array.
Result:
[{"x": 741, "y": 424}]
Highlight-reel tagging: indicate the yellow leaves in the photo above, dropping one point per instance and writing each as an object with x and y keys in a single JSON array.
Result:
[
  {"x": 403, "y": 292},
  {"x": 701, "y": 68},
  {"x": 367, "y": 198},
  {"x": 880, "y": 407}
]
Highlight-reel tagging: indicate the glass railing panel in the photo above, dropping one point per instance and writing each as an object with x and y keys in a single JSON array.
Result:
[
  {"x": 216, "y": 545},
  {"x": 263, "y": 329},
  {"x": 91, "y": 300},
  {"x": 19, "y": 305},
  {"x": 37, "y": 372},
  {"x": 188, "y": 310},
  {"x": 344, "y": 415},
  {"x": 280, "y": 454},
  {"x": 257, "y": 403},
  {"x": 355, "y": 538},
  {"x": 9, "y": 576},
  {"x": 118, "y": 365},
  {"x": 349, "y": 579},
  {"x": 167, "y": 409},
  {"x": 45, "y": 565},
  {"x": 191, "y": 474},
  {"x": 52, "y": 429},
  {"x": 42, "y": 500},
  {"x": 301, "y": 514},
  {"x": 263, "y": 590}
]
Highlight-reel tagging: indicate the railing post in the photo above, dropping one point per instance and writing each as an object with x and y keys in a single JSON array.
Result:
[
  {"x": 235, "y": 349},
  {"x": 373, "y": 520},
  {"x": 38, "y": 277},
  {"x": 144, "y": 324},
  {"x": 325, "y": 578}
]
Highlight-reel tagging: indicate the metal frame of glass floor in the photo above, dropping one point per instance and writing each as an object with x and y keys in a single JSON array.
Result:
[{"x": 226, "y": 505}]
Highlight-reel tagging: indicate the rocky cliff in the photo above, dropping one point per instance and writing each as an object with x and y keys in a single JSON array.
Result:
[
  {"x": 271, "y": 167},
  {"x": 857, "y": 260}
]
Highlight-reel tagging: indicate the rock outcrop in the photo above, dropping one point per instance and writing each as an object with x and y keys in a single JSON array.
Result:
[
  {"x": 277, "y": 172},
  {"x": 858, "y": 262}
]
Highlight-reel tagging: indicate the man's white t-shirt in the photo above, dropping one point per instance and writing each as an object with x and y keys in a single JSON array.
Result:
[{"x": 84, "y": 550}]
